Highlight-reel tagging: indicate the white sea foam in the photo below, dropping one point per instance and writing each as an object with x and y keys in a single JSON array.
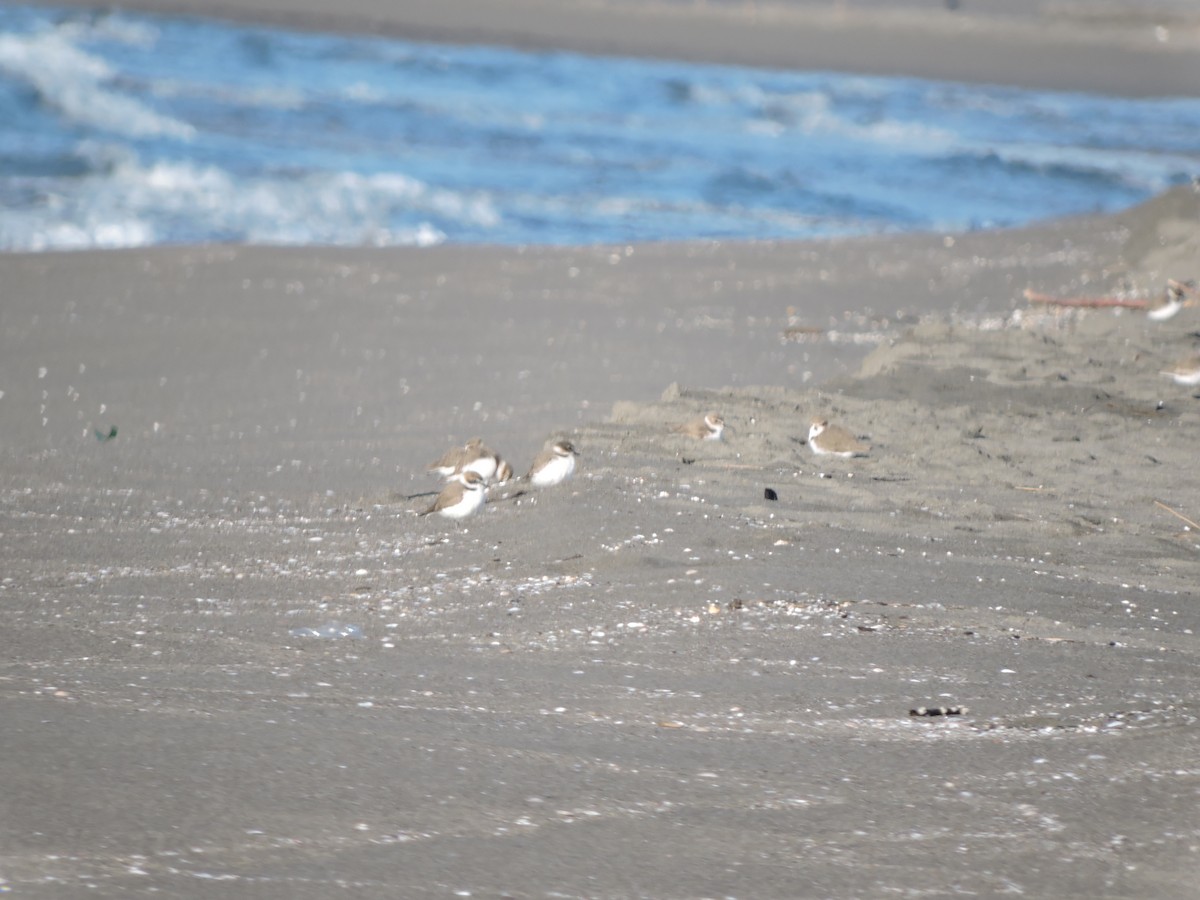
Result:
[
  {"x": 116, "y": 28},
  {"x": 1136, "y": 169},
  {"x": 820, "y": 116},
  {"x": 817, "y": 111},
  {"x": 23, "y": 231},
  {"x": 120, "y": 204},
  {"x": 80, "y": 86},
  {"x": 361, "y": 92}
]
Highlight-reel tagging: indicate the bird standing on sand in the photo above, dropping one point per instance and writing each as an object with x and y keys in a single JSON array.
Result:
[
  {"x": 473, "y": 456},
  {"x": 452, "y": 461},
  {"x": 706, "y": 428},
  {"x": 503, "y": 471},
  {"x": 553, "y": 465},
  {"x": 1186, "y": 371},
  {"x": 462, "y": 497},
  {"x": 1171, "y": 301},
  {"x": 832, "y": 440}
]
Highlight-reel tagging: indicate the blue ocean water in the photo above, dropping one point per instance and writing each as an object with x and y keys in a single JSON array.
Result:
[{"x": 121, "y": 130}]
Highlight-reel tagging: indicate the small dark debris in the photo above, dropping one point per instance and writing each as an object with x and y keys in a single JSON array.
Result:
[
  {"x": 686, "y": 461},
  {"x": 930, "y": 711},
  {"x": 736, "y": 603},
  {"x": 102, "y": 437},
  {"x": 802, "y": 333},
  {"x": 769, "y": 494}
]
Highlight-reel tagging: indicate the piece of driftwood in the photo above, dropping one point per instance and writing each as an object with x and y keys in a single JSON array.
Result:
[
  {"x": 1176, "y": 514},
  {"x": 1175, "y": 289},
  {"x": 1086, "y": 302}
]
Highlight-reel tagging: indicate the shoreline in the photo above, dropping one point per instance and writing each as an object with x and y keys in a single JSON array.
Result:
[
  {"x": 1121, "y": 49},
  {"x": 553, "y": 329},
  {"x": 703, "y": 312}
]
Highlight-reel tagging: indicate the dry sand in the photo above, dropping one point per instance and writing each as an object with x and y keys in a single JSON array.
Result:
[{"x": 651, "y": 681}]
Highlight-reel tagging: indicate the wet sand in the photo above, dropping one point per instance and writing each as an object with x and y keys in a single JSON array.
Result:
[
  {"x": 650, "y": 681},
  {"x": 1119, "y": 47}
]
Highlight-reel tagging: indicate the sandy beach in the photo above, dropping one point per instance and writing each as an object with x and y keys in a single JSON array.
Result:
[{"x": 239, "y": 664}]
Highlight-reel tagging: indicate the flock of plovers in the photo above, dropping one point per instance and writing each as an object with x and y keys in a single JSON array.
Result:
[{"x": 471, "y": 469}]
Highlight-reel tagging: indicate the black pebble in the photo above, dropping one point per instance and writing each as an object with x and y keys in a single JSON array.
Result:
[
  {"x": 938, "y": 711},
  {"x": 769, "y": 494}
]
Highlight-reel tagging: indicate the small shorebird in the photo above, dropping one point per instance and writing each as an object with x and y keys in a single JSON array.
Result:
[
  {"x": 504, "y": 471},
  {"x": 705, "y": 428},
  {"x": 486, "y": 465},
  {"x": 1186, "y": 371},
  {"x": 473, "y": 456},
  {"x": 461, "y": 497},
  {"x": 553, "y": 465},
  {"x": 833, "y": 440},
  {"x": 453, "y": 460},
  {"x": 1172, "y": 300}
]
